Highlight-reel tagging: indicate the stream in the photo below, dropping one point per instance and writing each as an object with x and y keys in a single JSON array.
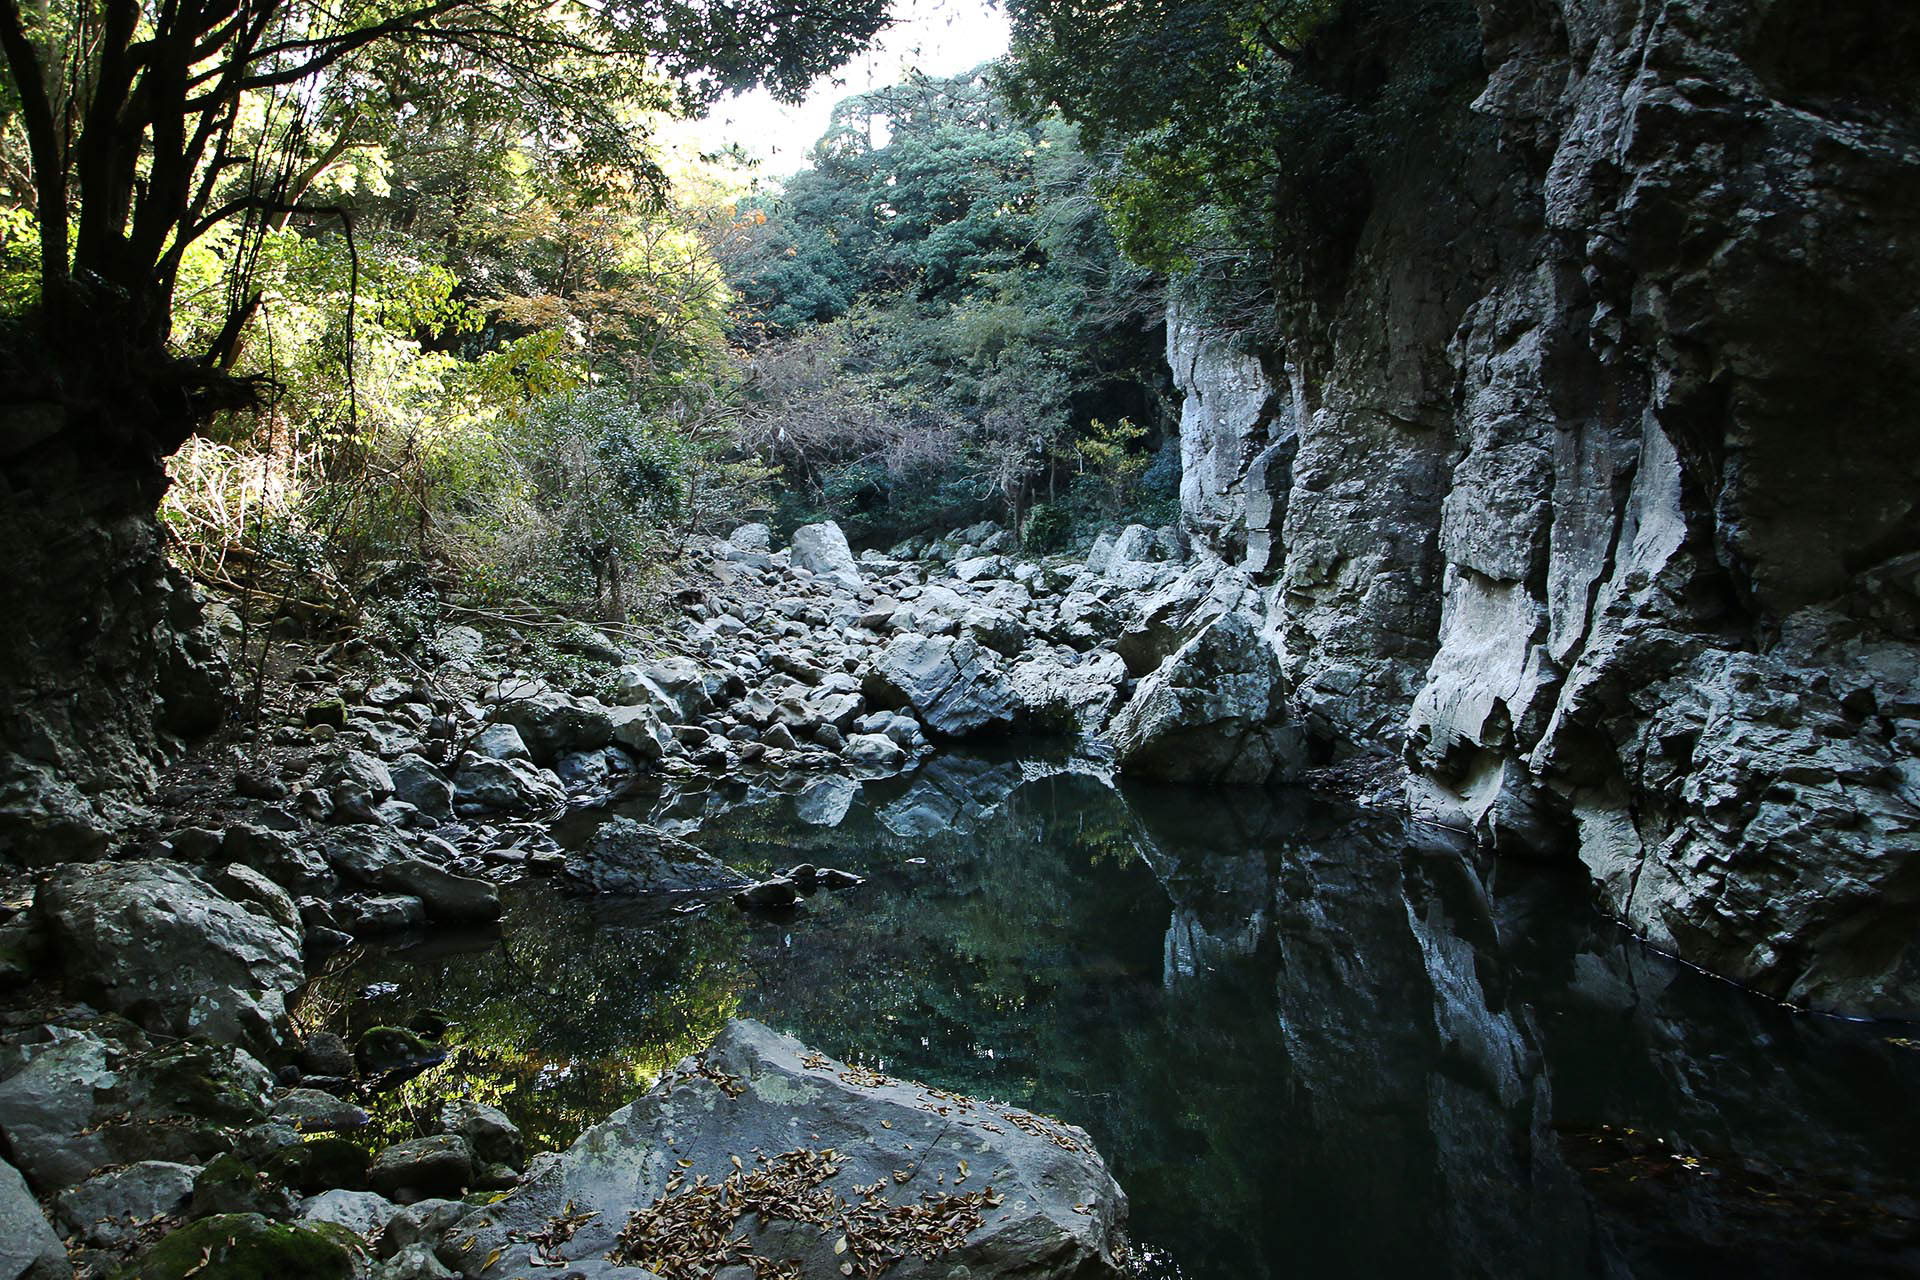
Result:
[{"x": 1310, "y": 1040}]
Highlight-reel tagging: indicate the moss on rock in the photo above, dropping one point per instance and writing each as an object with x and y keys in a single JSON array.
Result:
[{"x": 249, "y": 1247}]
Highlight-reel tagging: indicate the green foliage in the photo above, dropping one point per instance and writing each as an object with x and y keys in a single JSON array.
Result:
[
  {"x": 938, "y": 309},
  {"x": 19, "y": 260},
  {"x": 1245, "y": 154}
]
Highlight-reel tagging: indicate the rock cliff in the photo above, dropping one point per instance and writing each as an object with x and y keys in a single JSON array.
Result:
[{"x": 1599, "y": 502}]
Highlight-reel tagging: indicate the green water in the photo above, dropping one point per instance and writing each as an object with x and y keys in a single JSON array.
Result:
[{"x": 1309, "y": 1041}]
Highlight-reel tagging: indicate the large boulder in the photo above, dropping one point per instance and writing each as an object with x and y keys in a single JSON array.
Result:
[
  {"x": 1173, "y": 613},
  {"x": 995, "y": 627},
  {"x": 247, "y": 1246},
  {"x": 821, "y": 549},
  {"x": 827, "y": 1168},
  {"x": 751, "y": 537},
  {"x": 486, "y": 783},
  {"x": 1215, "y": 712},
  {"x": 552, "y": 723},
  {"x": 28, "y": 1248},
  {"x": 107, "y": 1211},
  {"x": 281, "y": 857},
  {"x": 453, "y": 898},
  {"x": 156, "y": 942},
  {"x": 625, "y": 856},
  {"x": 956, "y": 687},
  {"x": 676, "y": 688},
  {"x": 640, "y": 730},
  {"x": 1076, "y": 696},
  {"x": 420, "y": 784},
  {"x": 84, "y": 1099}
]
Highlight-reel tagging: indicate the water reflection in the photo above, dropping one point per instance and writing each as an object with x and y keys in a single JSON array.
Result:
[{"x": 1310, "y": 1041}]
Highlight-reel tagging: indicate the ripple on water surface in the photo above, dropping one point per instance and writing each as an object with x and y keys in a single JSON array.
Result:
[{"x": 1310, "y": 1041}]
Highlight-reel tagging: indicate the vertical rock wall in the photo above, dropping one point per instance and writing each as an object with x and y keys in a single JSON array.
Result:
[{"x": 1604, "y": 511}]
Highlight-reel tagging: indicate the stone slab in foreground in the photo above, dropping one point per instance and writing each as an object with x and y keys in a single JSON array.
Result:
[{"x": 816, "y": 1167}]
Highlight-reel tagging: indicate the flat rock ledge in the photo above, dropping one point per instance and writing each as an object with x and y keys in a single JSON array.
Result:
[{"x": 762, "y": 1157}]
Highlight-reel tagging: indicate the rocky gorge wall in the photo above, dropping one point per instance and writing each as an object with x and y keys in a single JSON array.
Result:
[{"x": 1597, "y": 506}]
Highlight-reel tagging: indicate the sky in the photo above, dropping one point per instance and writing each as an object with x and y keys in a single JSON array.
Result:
[{"x": 939, "y": 37}]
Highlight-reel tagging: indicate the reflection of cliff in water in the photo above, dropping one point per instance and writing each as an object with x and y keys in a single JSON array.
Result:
[{"x": 1311, "y": 1042}]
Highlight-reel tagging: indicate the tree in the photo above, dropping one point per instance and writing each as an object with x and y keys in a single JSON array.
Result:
[
  {"x": 148, "y": 125},
  {"x": 1241, "y": 133}
]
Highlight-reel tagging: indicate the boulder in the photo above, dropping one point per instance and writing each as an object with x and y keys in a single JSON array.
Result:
[
  {"x": 249, "y": 1247},
  {"x": 82, "y": 1100},
  {"x": 493, "y": 1138},
  {"x": 625, "y": 856},
  {"x": 500, "y": 742},
  {"x": 230, "y": 1185},
  {"x": 843, "y": 1150},
  {"x": 751, "y": 537},
  {"x": 455, "y": 899},
  {"x": 458, "y": 646},
  {"x": 1072, "y": 696},
  {"x": 415, "y": 1262},
  {"x": 506, "y": 784},
  {"x": 873, "y": 751},
  {"x": 423, "y": 786},
  {"x": 641, "y": 731},
  {"x": 281, "y": 857},
  {"x": 1216, "y": 712},
  {"x": 368, "y": 913},
  {"x": 676, "y": 688},
  {"x": 311, "y": 1111},
  {"x": 365, "y": 1213},
  {"x": 325, "y": 1054},
  {"x": 423, "y": 1167},
  {"x": 821, "y": 549},
  {"x": 553, "y": 723},
  {"x": 957, "y": 688},
  {"x": 29, "y": 1250},
  {"x": 257, "y": 893},
  {"x": 358, "y": 854},
  {"x": 108, "y": 1210},
  {"x": 314, "y": 1165},
  {"x": 156, "y": 942},
  {"x": 357, "y": 780},
  {"x": 1168, "y": 616}
]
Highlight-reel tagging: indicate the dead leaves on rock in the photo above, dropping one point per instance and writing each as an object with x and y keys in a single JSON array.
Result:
[{"x": 692, "y": 1232}]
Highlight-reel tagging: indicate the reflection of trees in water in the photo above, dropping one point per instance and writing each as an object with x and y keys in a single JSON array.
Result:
[{"x": 1310, "y": 1042}]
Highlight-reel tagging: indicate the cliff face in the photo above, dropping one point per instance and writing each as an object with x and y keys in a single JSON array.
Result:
[{"x": 1603, "y": 511}]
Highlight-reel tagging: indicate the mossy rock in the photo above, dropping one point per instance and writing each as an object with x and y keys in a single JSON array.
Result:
[
  {"x": 322, "y": 1164},
  {"x": 331, "y": 712},
  {"x": 229, "y": 1186},
  {"x": 248, "y": 1247},
  {"x": 207, "y": 1083},
  {"x": 431, "y": 1023},
  {"x": 382, "y": 1049}
]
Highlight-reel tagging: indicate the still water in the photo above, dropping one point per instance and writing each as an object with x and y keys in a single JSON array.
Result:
[{"x": 1310, "y": 1041}]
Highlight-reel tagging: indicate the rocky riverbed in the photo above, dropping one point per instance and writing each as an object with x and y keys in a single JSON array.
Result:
[{"x": 162, "y": 1106}]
